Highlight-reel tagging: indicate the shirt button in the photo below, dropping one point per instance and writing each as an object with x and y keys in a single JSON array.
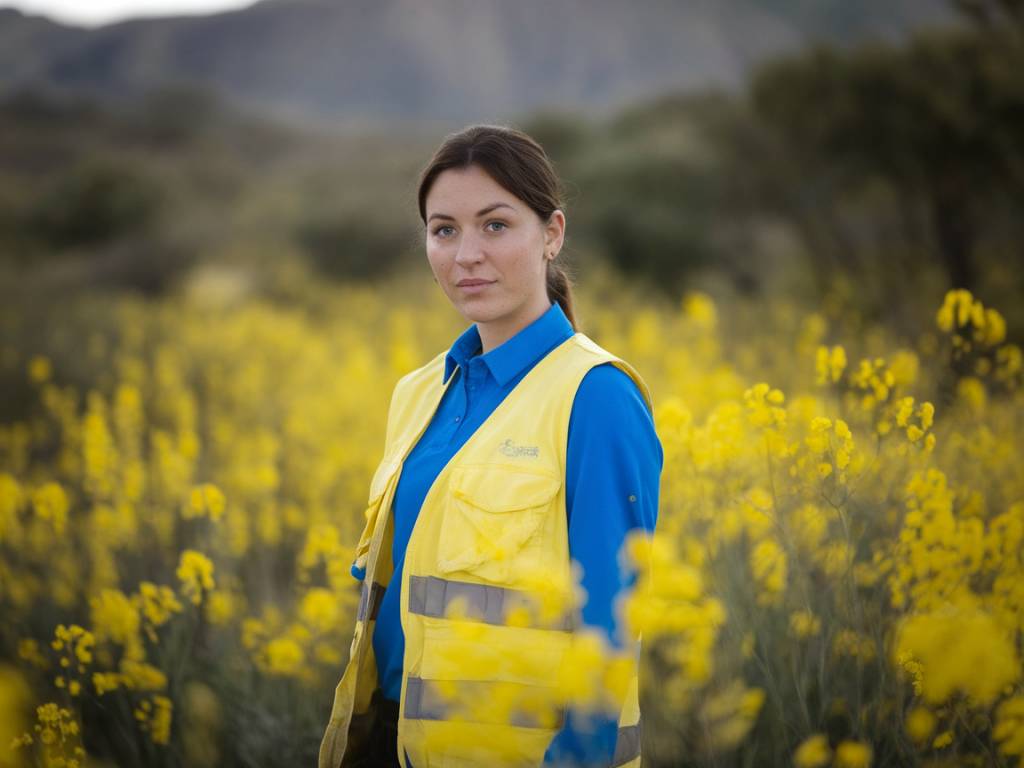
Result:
[
  {"x": 457, "y": 418},
  {"x": 632, "y": 497}
]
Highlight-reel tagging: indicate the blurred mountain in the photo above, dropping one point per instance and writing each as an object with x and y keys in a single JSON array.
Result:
[{"x": 439, "y": 59}]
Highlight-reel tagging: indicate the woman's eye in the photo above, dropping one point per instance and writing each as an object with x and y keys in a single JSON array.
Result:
[
  {"x": 439, "y": 232},
  {"x": 499, "y": 223}
]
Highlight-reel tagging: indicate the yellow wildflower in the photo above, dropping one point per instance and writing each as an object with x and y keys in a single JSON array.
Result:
[
  {"x": 813, "y": 752},
  {"x": 804, "y": 624},
  {"x": 944, "y": 739},
  {"x": 959, "y": 647},
  {"x": 829, "y": 364},
  {"x": 206, "y": 499},
  {"x": 853, "y": 754},
  {"x": 1009, "y": 728},
  {"x": 195, "y": 571},
  {"x": 284, "y": 656},
  {"x": 51, "y": 504},
  {"x": 920, "y": 724},
  {"x": 40, "y": 369},
  {"x": 768, "y": 564}
]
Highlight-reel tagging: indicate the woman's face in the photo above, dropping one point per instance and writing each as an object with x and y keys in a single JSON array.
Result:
[{"x": 477, "y": 231}]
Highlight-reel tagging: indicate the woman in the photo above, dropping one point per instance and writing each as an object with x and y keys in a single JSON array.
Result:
[{"x": 525, "y": 448}]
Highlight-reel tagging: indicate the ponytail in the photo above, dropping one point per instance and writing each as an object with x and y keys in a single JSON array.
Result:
[{"x": 560, "y": 290}]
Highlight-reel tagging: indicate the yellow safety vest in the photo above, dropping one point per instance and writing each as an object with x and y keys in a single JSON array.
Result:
[{"x": 493, "y": 514}]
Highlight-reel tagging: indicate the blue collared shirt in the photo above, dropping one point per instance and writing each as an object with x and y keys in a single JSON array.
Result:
[{"x": 613, "y": 468}]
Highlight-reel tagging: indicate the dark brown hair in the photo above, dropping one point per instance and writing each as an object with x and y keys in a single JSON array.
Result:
[{"x": 516, "y": 162}]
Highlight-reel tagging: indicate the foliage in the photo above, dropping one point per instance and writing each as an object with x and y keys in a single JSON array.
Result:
[
  {"x": 175, "y": 534},
  {"x": 937, "y": 121}
]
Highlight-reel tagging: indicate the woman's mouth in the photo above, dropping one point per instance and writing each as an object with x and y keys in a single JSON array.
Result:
[{"x": 474, "y": 286}]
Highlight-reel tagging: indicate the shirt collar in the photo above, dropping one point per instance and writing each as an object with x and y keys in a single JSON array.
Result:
[{"x": 516, "y": 354}]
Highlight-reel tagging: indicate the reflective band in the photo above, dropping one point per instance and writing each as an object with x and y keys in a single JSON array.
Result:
[
  {"x": 628, "y": 745},
  {"x": 373, "y": 593},
  {"x": 433, "y": 596},
  {"x": 424, "y": 702}
]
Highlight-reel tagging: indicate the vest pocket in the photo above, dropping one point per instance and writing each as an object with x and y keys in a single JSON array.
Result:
[{"x": 492, "y": 516}]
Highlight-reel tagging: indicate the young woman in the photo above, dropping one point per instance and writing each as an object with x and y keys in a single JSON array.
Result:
[{"x": 523, "y": 447}]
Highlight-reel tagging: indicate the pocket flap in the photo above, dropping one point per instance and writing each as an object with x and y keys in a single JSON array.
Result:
[{"x": 501, "y": 488}]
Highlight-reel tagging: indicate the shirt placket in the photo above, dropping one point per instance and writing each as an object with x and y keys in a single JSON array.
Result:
[{"x": 468, "y": 392}]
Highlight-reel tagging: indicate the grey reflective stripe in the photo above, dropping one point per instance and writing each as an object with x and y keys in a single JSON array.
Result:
[
  {"x": 372, "y": 593},
  {"x": 434, "y": 596},
  {"x": 423, "y": 702},
  {"x": 627, "y": 747}
]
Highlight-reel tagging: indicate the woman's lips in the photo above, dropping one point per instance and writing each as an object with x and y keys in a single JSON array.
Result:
[{"x": 474, "y": 286}]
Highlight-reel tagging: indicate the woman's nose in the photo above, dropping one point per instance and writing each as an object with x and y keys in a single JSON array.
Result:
[{"x": 470, "y": 250}]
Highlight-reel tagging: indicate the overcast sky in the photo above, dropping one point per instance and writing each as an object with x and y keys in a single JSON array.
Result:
[{"x": 96, "y": 12}]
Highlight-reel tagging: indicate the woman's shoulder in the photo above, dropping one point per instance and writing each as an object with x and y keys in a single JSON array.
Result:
[
  {"x": 610, "y": 411},
  {"x": 603, "y": 359},
  {"x": 606, "y": 386}
]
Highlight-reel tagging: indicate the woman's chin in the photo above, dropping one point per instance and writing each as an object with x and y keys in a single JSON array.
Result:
[{"x": 477, "y": 311}]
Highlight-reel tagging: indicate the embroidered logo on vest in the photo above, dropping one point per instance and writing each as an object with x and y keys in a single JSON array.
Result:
[{"x": 511, "y": 449}]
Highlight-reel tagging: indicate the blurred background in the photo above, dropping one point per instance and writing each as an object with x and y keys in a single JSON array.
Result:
[
  {"x": 772, "y": 146},
  {"x": 212, "y": 272}
]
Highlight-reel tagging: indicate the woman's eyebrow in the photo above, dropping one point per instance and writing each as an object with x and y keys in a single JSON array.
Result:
[{"x": 481, "y": 212}]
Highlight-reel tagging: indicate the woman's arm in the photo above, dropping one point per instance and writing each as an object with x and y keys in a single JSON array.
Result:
[{"x": 613, "y": 473}]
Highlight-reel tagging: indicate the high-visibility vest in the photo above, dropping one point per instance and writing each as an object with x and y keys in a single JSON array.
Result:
[{"x": 494, "y": 515}]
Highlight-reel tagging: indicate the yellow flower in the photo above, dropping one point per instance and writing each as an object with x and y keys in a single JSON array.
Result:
[
  {"x": 955, "y": 310},
  {"x": 195, "y": 571},
  {"x": 853, "y": 754},
  {"x": 926, "y": 413},
  {"x": 160, "y": 725},
  {"x": 222, "y": 606},
  {"x": 804, "y": 624},
  {"x": 284, "y": 656},
  {"x": 920, "y": 724},
  {"x": 971, "y": 392},
  {"x": 944, "y": 739},
  {"x": 105, "y": 681},
  {"x": 320, "y": 610},
  {"x": 51, "y": 504},
  {"x": 157, "y": 604},
  {"x": 813, "y": 752},
  {"x": 206, "y": 499},
  {"x": 768, "y": 563},
  {"x": 116, "y": 617},
  {"x": 960, "y": 308},
  {"x": 39, "y": 369},
  {"x": 904, "y": 410},
  {"x": 960, "y": 648},
  {"x": 1009, "y": 728},
  {"x": 139, "y": 676},
  {"x": 829, "y": 364},
  {"x": 700, "y": 309},
  {"x": 762, "y": 405}
]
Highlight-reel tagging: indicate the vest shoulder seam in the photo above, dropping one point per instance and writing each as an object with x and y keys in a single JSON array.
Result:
[{"x": 587, "y": 344}]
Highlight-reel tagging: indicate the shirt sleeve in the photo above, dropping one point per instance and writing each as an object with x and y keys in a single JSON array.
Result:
[{"x": 613, "y": 474}]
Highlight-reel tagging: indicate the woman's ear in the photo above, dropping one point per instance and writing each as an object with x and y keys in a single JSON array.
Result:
[{"x": 554, "y": 232}]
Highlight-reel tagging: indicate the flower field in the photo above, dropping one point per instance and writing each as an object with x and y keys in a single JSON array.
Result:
[{"x": 837, "y": 577}]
